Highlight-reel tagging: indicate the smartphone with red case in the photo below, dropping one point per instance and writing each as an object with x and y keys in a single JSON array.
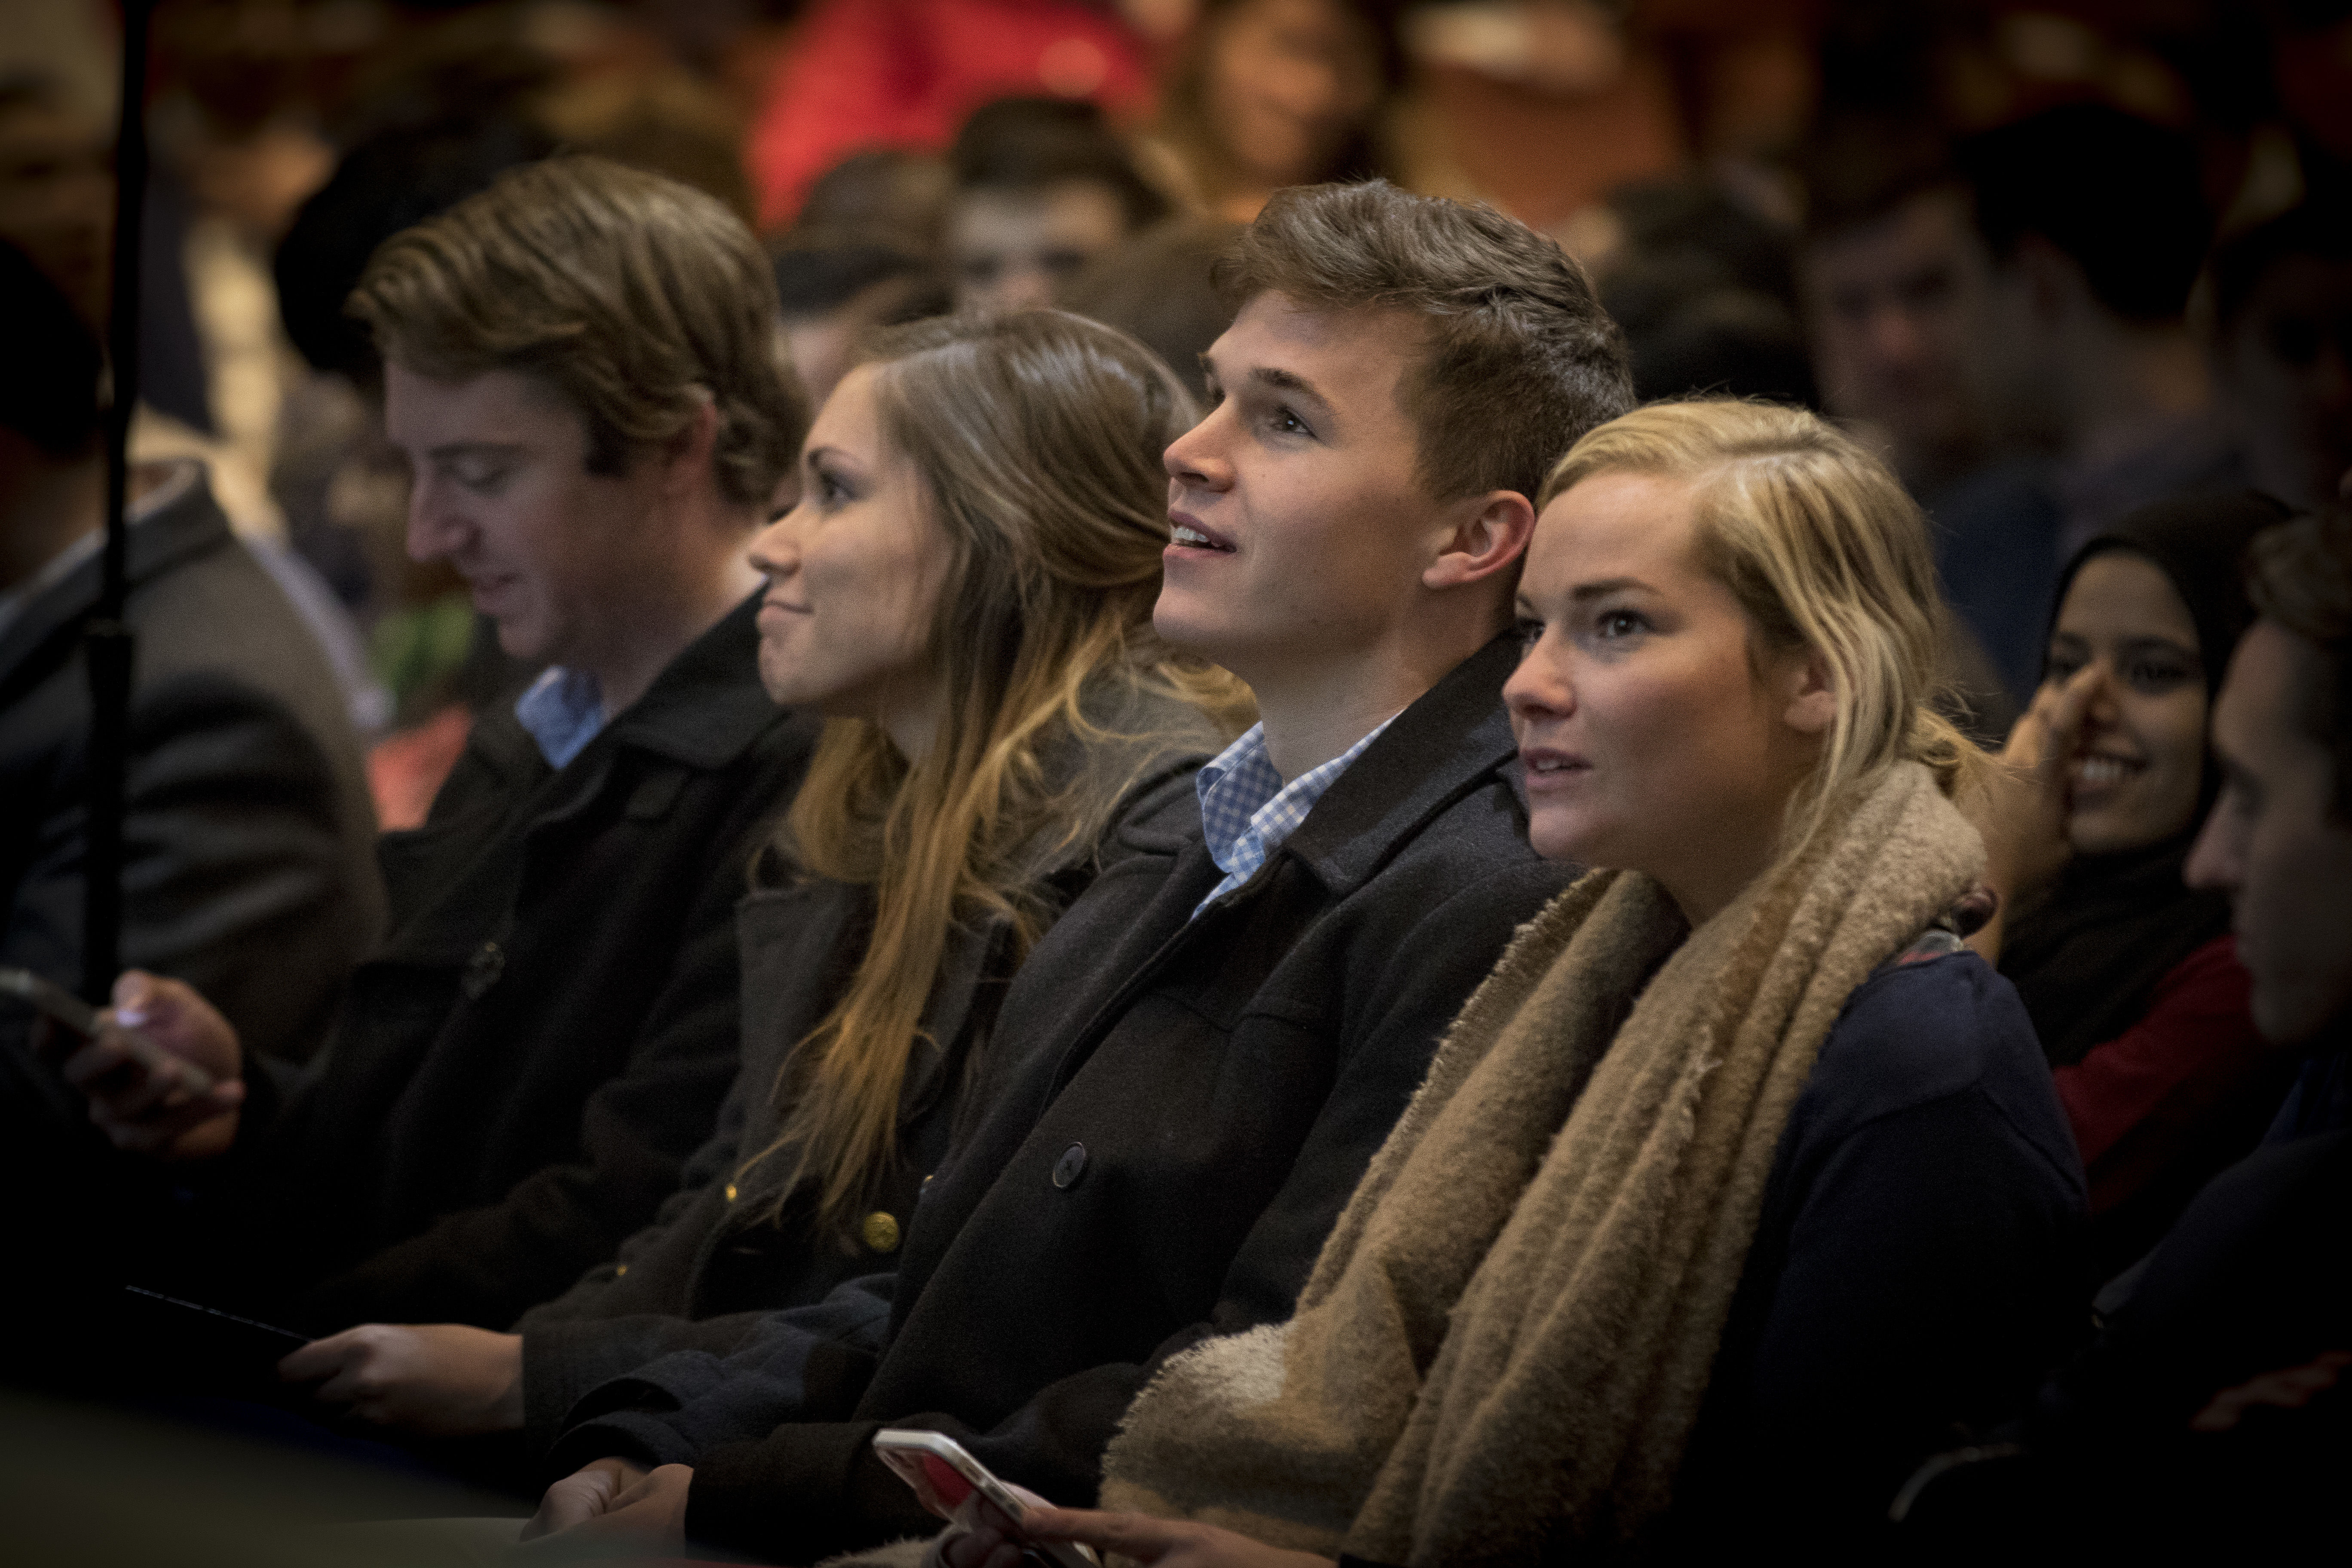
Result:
[{"x": 946, "y": 1477}]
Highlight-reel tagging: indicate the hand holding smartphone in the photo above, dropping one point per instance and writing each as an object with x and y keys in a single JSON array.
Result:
[
  {"x": 946, "y": 1477},
  {"x": 62, "y": 1007}
]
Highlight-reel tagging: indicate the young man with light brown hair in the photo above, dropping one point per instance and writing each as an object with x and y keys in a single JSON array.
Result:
[
  {"x": 580, "y": 367},
  {"x": 1193, "y": 1067}
]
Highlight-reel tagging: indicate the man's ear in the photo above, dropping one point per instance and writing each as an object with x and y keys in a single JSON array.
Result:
[
  {"x": 1812, "y": 687},
  {"x": 1488, "y": 534}
]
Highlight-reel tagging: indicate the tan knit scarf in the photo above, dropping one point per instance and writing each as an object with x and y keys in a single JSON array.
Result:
[{"x": 1506, "y": 1341}]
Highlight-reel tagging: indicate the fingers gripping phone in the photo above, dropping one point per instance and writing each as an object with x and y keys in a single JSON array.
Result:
[
  {"x": 55, "y": 1002},
  {"x": 946, "y": 1477}
]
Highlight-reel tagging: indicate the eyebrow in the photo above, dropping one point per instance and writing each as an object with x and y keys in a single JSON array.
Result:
[
  {"x": 448, "y": 449},
  {"x": 1583, "y": 592},
  {"x": 1287, "y": 380}
]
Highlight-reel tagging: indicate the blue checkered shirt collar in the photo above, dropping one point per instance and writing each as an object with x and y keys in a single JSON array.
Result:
[{"x": 1246, "y": 811}]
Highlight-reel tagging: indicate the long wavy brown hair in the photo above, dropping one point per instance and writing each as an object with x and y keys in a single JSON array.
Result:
[{"x": 1037, "y": 438}]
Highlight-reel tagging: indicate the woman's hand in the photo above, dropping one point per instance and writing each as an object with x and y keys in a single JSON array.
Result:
[
  {"x": 2022, "y": 812},
  {"x": 440, "y": 1380},
  {"x": 1164, "y": 1543},
  {"x": 155, "y": 1113}
]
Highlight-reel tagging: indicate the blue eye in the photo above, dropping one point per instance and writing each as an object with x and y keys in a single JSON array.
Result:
[{"x": 1615, "y": 624}]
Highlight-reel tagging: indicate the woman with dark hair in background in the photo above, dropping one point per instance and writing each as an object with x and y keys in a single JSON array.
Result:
[
  {"x": 2131, "y": 977},
  {"x": 1271, "y": 93},
  {"x": 965, "y": 591}
]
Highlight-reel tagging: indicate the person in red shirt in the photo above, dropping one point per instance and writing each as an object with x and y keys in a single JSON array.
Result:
[
  {"x": 2131, "y": 977},
  {"x": 905, "y": 73}
]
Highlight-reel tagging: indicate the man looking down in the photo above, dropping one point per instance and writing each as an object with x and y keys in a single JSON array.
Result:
[
  {"x": 1193, "y": 1068},
  {"x": 581, "y": 370}
]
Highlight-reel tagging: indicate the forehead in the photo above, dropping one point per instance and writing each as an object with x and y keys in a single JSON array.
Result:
[
  {"x": 2124, "y": 594},
  {"x": 1084, "y": 209},
  {"x": 1615, "y": 525},
  {"x": 1354, "y": 359},
  {"x": 500, "y": 407},
  {"x": 1927, "y": 229},
  {"x": 850, "y": 420},
  {"x": 2257, "y": 722}
]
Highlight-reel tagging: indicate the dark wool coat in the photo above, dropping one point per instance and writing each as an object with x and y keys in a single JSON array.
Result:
[
  {"x": 713, "y": 1261},
  {"x": 519, "y": 1074},
  {"x": 1177, "y": 1111},
  {"x": 249, "y": 867}
]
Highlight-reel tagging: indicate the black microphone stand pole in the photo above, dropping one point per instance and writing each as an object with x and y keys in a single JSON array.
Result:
[{"x": 107, "y": 637}]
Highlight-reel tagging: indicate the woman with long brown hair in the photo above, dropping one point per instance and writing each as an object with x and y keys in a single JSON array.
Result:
[{"x": 965, "y": 592}]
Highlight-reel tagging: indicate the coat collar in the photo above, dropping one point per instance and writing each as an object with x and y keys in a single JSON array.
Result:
[
  {"x": 703, "y": 710},
  {"x": 176, "y": 523},
  {"x": 1449, "y": 740}
]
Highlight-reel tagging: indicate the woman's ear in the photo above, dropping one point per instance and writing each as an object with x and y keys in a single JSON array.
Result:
[{"x": 1812, "y": 686}]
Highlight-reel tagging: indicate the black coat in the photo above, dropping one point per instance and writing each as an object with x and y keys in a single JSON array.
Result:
[
  {"x": 714, "y": 1260},
  {"x": 519, "y": 1074},
  {"x": 1178, "y": 1109},
  {"x": 249, "y": 869}
]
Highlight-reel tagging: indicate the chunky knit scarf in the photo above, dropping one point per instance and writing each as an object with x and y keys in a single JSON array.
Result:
[{"x": 1506, "y": 1341}]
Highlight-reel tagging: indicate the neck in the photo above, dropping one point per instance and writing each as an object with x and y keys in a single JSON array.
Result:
[
  {"x": 2124, "y": 377},
  {"x": 47, "y": 509},
  {"x": 1313, "y": 711},
  {"x": 706, "y": 573}
]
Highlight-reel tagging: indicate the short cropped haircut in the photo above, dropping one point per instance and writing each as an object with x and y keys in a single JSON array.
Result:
[
  {"x": 1519, "y": 360},
  {"x": 2300, "y": 578},
  {"x": 633, "y": 297}
]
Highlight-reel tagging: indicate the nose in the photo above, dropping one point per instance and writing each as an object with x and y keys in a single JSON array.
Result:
[
  {"x": 2217, "y": 860},
  {"x": 775, "y": 549},
  {"x": 2101, "y": 711},
  {"x": 436, "y": 523},
  {"x": 1539, "y": 690},
  {"x": 1196, "y": 459}
]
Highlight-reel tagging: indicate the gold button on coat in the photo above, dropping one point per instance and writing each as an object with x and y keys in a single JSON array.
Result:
[
  {"x": 730, "y": 1192},
  {"x": 882, "y": 1231}
]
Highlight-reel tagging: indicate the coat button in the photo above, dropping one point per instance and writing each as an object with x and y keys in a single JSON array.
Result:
[
  {"x": 881, "y": 1231},
  {"x": 482, "y": 970},
  {"x": 619, "y": 1270},
  {"x": 1070, "y": 1166},
  {"x": 730, "y": 1192}
]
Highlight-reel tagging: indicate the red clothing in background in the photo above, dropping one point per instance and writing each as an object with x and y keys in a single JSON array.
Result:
[
  {"x": 2145, "y": 1098},
  {"x": 905, "y": 73}
]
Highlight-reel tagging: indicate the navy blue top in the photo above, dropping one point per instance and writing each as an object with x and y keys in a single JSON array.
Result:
[{"x": 1914, "y": 1264}]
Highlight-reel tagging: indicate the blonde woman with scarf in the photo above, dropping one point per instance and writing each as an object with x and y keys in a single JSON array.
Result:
[{"x": 1740, "y": 1178}]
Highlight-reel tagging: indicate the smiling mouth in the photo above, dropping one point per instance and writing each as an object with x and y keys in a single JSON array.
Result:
[
  {"x": 2105, "y": 772},
  {"x": 1194, "y": 539}
]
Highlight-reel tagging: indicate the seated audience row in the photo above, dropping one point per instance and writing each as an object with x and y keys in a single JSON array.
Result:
[{"x": 1522, "y": 1095}]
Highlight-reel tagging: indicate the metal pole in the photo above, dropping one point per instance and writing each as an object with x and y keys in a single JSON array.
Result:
[{"x": 107, "y": 637}]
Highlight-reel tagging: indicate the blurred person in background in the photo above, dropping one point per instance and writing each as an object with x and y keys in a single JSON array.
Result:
[
  {"x": 1704, "y": 289},
  {"x": 892, "y": 194},
  {"x": 832, "y": 289},
  {"x": 2209, "y": 1417},
  {"x": 1269, "y": 93},
  {"x": 248, "y": 837},
  {"x": 2097, "y": 226},
  {"x": 1896, "y": 286},
  {"x": 2283, "y": 349},
  {"x": 1042, "y": 187},
  {"x": 2132, "y": 977},
  {"x": 1157, "y": 289},
  {"x": 860, "y": 73},
  {"x": 250, "y": 869}
]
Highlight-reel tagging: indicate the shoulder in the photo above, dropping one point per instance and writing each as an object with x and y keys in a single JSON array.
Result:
[{"x": 1941, "y": 1029}]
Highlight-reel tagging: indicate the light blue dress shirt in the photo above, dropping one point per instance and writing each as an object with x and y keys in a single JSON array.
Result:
[{"x": 562, "y": 710}]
